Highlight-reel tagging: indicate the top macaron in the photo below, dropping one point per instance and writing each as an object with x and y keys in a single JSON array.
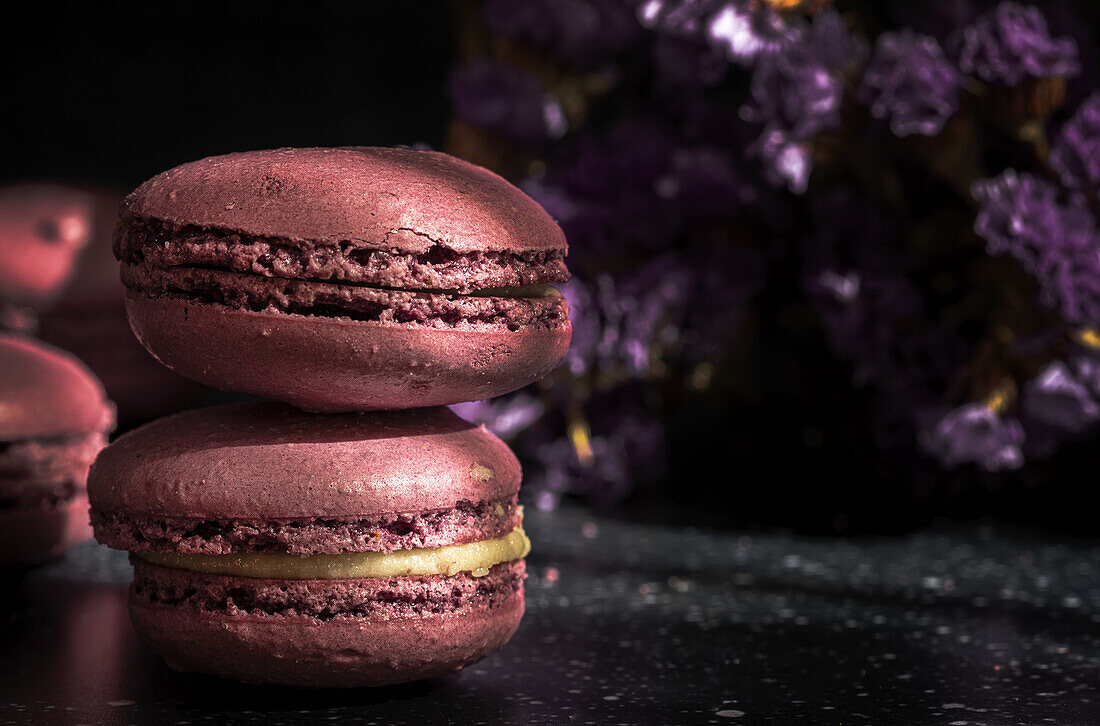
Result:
[{"x": 345, "y": 279}]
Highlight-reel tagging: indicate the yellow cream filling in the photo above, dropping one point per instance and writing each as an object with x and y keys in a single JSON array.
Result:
[
  {"x": 473, "y": 557},
  {"x": 535, "y": 291}
]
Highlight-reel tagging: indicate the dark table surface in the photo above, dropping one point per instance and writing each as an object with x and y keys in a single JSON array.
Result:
[{"x": 644, "y": 624}]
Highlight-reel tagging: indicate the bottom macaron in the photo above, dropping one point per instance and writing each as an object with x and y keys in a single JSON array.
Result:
[
  {"x": 280, "y": 547},
  {"x": 325, "y": 633}
]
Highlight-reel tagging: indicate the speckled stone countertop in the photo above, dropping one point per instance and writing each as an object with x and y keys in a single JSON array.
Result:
[{"x": 633, "y": 624}]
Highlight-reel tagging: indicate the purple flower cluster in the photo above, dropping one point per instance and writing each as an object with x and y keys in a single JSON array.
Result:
[
  {"x": 633, "y": 187},
  {"x": 1076, "y": 151},
  {"x": 1057, "y": 397},
  {"x": 975, "y": 434},
  {"x": 1086, "y": 369},
  {"x": 796, "y": 87},
  {"x": 505, "y": 100},
  {"x": 797, "y": 94},
  {"x": 911, "y": 83},
  {"x": 624, "y": 448},
  {"x": 748, "y": 31},
  {"x": 616, "y": 447},
  {"x": 662, "y": 208},
  {"x": 620, "y": 324},
  {"x": 507, "y": 416},
  {"x": 794, "y": 101},
  {"x": 1012, "y": 43},
  {"x": 1057, "y": 243},
  {"x": 683, "y": 18}
]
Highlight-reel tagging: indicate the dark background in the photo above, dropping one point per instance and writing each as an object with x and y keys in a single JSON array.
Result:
[
  {"x": 111, "y": 96},
  {"x": 117, "y": 94}
]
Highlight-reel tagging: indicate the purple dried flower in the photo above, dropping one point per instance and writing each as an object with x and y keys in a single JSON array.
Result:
[
  {"x": 505, "y": 416},
  {"x": 1057, "y": 398},
  {"x": 1076, "y": 152},
  {"x": 975, "y": 434},
  {"x": 1069, "y": 273},
  {"x": 1058, "y": 244},
  {"x": 505, "y": 100},
  {"x": 625, "y": 448},
  {"x": 585, "y": 317},
  {"x": 829, "y": 41},
  {"x": 1012, "y": 43},
  {"x": 1019, "y": 214},
  {"x": 683, "y": 18},
  {"x": 796, "y": 95},
  {"x": 748, "y": 31},
  {"x": 786, "y": 162},
  {"x": 841, "y": 288},
  {"x": 574, "y": 30},
  {"x": 794, "y": 100},
  {"x": 608, "y": 183},
  {"x": 848, "y": 314},
  {"x": 910, "y": 82},
  {"x": 618, "y": 324},
  {"x": 1086, "y": 368},
  {"x": 648, "y": 308}
]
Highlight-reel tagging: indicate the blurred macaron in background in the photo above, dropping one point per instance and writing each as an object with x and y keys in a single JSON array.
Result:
[
  {"x": 54, "y": 420},
  {"x": 89, "y": 320},
  {"x": 43, "y": 228}
]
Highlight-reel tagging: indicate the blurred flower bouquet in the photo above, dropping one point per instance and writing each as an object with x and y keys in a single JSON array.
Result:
[{"x": 921, "y": 176}]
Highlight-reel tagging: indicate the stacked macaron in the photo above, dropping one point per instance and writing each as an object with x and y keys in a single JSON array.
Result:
[{"x": 348, "y": 541}]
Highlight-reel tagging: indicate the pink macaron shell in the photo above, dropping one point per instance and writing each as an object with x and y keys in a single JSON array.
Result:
[
  {"x": 45, "y": 392},
  {"x": 335, "y": 364},
  {"x": 402, "y": 199},
  {"x": 31, "y": 535},
  {"x": 307, "y": 652},
  {"x": 42, "y": 229},
  {"x": 271, "y": 461}
]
